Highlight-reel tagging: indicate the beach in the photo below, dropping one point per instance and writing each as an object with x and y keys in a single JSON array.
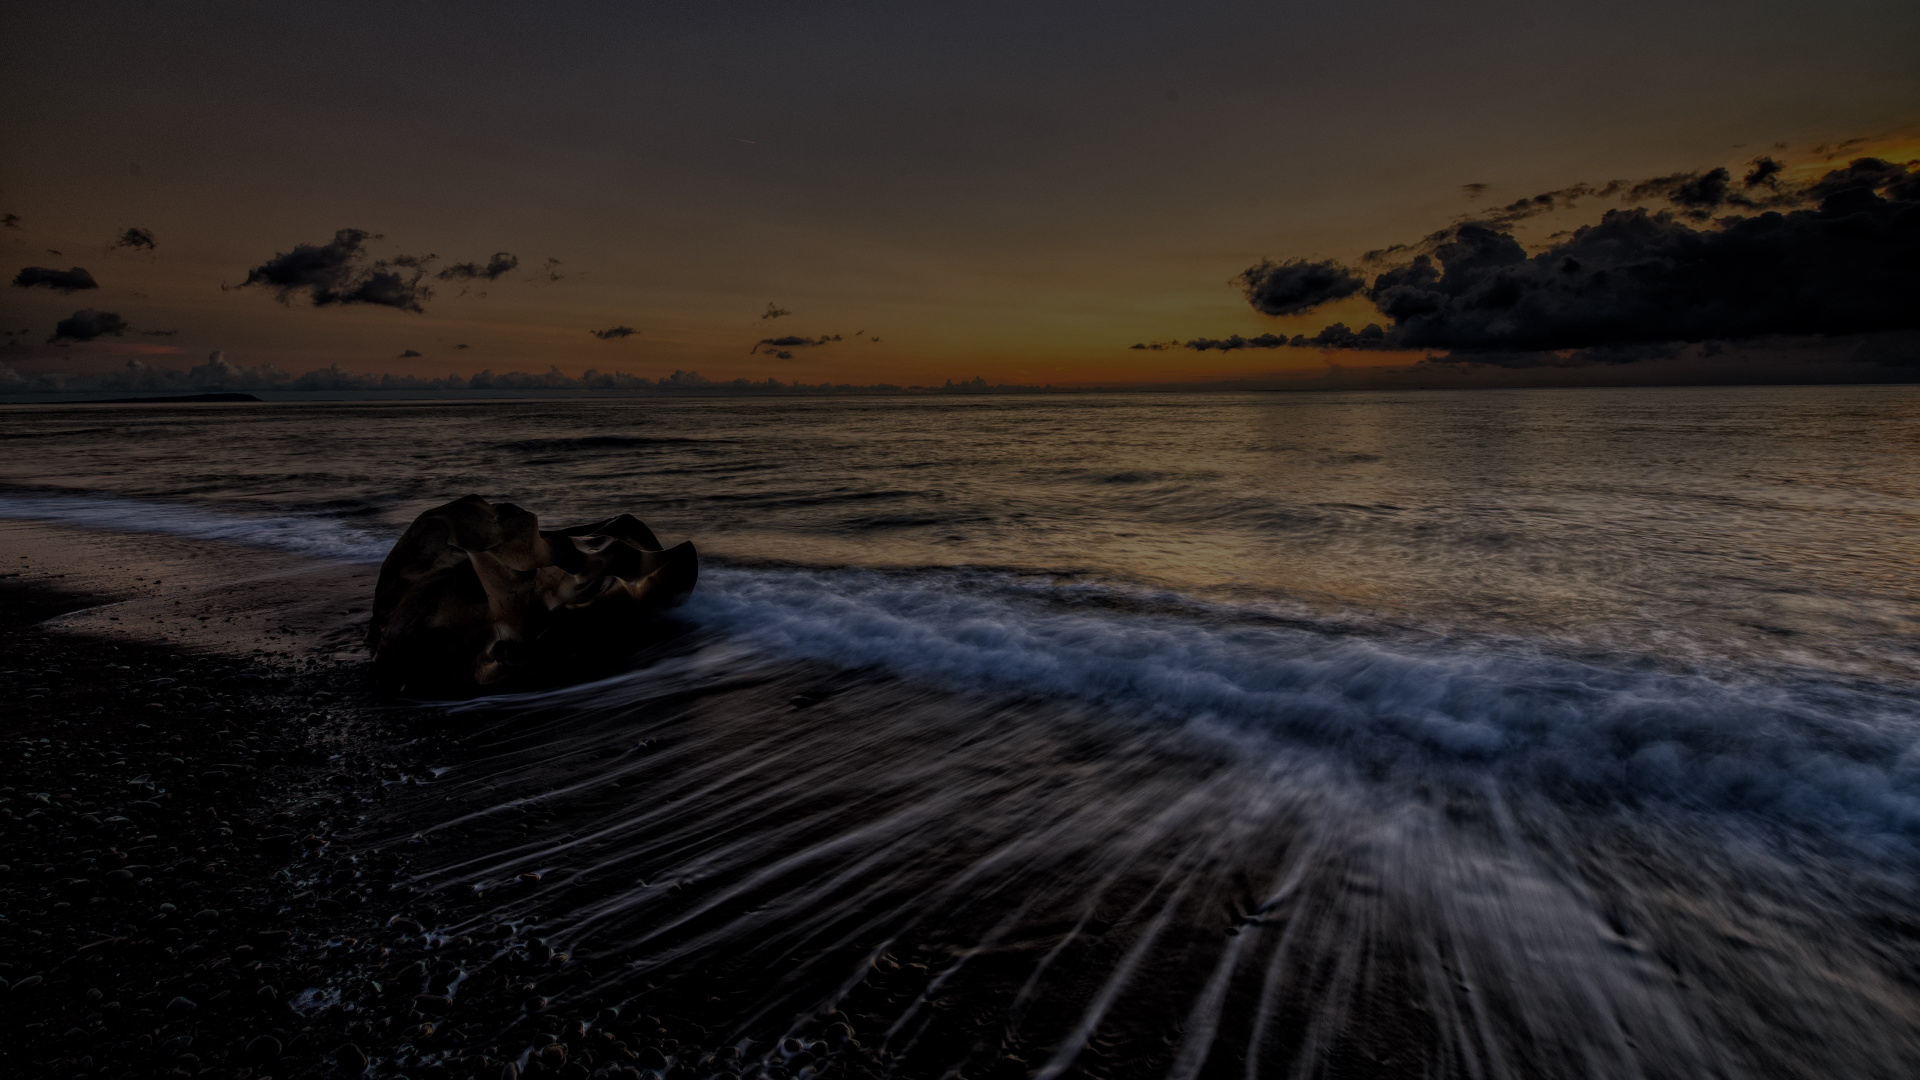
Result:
[{"x": 1080, "y": 750}]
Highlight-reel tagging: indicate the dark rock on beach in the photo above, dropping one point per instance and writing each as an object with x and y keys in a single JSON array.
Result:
[{"x": 476, "y": 594}]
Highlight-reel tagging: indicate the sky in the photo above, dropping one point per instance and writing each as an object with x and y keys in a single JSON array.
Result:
[{"x": 1020, "y": 191}]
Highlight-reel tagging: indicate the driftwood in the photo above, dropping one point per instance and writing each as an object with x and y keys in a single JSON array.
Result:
[{"x": 476, "y": 593}]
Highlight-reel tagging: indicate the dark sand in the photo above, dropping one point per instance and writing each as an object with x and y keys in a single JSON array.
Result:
[{"x": 198, "y": 879}]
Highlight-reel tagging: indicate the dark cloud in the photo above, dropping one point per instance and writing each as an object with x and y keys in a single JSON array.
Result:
[
  {"x": 1534, "y": 205},
  {"x": 1869, "y": 175},
  {"x": 410, "y": 353},
  {"x": 1474, "y": 191},
  {"x": 337, "y": 272},
  {"x": 159, "y": 333},
  {"x": 774, "y": 311},
  {"x": 1291, "y": 287},
  {"x": 1841, "y": 263},
  {"x": 11, "y": 221},
  {"x": 1696, "y": 194},
  {"x": 135, "y": 238},
  {"x": 463, "y": 345},
  {"x": 1337, "y": 336},
  {"x": 612, "y": 332},
  {"x": 794, "y": 341},
  {"x": 502, "y": 263},
  {"x": 1155, "y": 346},
  {"x": 88, "y": 324},
  {"x": 551, "y": 270},
  {"x": 1764, "y": 171},
  {"x": 64, "y": 281}
]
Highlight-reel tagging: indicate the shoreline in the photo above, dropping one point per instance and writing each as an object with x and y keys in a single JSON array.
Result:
[{"x": 756, "y": 868}]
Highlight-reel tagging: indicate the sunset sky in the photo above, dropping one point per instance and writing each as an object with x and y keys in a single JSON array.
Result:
[{"x": 1019, "y": 191}]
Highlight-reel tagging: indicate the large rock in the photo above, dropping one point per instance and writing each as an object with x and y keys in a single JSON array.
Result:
[{"x": 476, "y": 593}]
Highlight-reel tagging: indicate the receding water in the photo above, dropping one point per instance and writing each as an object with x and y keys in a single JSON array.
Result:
[{"x": 1490, "y": 734}]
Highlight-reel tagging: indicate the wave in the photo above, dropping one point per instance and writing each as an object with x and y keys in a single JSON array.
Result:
[
  {"x": 1808, "y": 753},
  {"x": 315, "y": 537}
]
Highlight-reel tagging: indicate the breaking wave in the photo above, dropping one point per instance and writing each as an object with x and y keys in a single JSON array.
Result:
[{"x": 1810, "y": 753}]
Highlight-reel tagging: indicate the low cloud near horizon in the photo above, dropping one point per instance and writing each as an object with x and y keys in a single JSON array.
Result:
[{"x": 1829, "y": 257}]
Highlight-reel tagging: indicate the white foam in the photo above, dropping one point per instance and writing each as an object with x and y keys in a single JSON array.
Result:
[
  {"x": 1785, "y": 750},
  {"x": 317, "y": 537}
]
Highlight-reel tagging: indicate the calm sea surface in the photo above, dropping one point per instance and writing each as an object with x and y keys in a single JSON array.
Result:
[{"x": 1486, "y": 733}]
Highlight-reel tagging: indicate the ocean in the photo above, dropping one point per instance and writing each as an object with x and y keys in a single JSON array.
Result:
[{"x": 1468, "y": 733}]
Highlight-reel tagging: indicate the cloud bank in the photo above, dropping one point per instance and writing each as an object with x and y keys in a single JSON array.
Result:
[
  {"x": 217, "y": 374},
  {"x": 1833, "y": 256}
]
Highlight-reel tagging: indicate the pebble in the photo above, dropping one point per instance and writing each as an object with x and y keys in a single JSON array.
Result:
[
  {"x": 351, "y": 1059},
  {"x": 181, "y": 1006},
  {"x": 27, "y": 983},
  {"x": 263, "y": 1050}
]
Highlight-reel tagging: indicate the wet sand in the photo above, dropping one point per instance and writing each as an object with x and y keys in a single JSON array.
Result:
[{"x": 200, "y": 877}]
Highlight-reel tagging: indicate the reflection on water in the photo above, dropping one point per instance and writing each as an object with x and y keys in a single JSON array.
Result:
[{"x": 1487, "y": 734}]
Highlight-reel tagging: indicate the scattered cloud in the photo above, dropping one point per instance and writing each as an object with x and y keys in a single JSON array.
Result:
[
  {"x": 410, "y": 354},
  {"x": 611, "y": 333},
  {"x": 159, "y": 333},
  {"x": 87, "y": 324},
  {"x": 793, "y": 341},
  {"x": 11, "y": 221},
  {"x": 551, "y": 270},
  {"x": 1765, "y": 170},
  {"x": 502, "y": 263},
  {"x": 462, "y": 345},
  {"x": 338, "y": 272},
  {"x": 774, "y": 311},
  {"x": 71, "y": 280},
  {"x": 1294, "y": 286},
  {"x": 134, "y": 237},
  {"x": 1474, "y": 191}
]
